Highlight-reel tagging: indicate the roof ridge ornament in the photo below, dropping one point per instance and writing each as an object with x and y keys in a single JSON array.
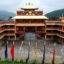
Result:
[
  {"x": 29, "y": 6},
  {"x": 26, "y": 3},
  {"x": 29, "y": 3}
]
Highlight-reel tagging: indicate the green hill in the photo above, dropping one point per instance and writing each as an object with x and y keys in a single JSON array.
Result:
[
  {"x": 4, "y": 15},
  {"x": 55, "y": 14}
]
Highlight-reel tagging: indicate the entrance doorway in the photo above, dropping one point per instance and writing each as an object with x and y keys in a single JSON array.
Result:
[{"x": 30, "y": 29}]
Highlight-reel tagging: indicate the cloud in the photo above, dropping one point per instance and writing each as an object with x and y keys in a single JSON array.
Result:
[
  {"x": 47, "y": 5},
  {"x": 36, "y": 2}
]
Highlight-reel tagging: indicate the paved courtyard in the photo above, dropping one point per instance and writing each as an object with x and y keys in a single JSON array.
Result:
[{"x": 49, "y": 51}]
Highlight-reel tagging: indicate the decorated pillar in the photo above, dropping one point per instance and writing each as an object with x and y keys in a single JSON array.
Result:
[
  {"x": 36, "y": 29},
  {"x": 24, "y": 29}
]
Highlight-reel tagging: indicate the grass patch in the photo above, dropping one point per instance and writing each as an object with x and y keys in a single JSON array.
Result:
[{"x": 9, "y": 62}]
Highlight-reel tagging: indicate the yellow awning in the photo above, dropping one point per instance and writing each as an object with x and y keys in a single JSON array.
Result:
[
  {"x": 29, "y": 24},
  {"x": 30, "y": 17}
]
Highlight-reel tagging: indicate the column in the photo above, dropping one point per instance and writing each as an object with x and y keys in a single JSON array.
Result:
[
  {"x": 24, "y": 28},
  {"x": 36, "y": 29},
  {"x": 8, "y": 37},
  {"x": 29, "y": 21},
  {"x": 62, "y": 28}
]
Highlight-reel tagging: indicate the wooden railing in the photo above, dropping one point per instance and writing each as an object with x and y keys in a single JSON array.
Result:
[
  {"x": 20, "y": 32},
  {"x": 60, "y": 35},
  {"x": 54, "y": 28},
  {"x": 40, "y": 31},
  {"x": 57, "y": 34},
  {"x": 11, "y": 38},
  {"x": 7, "y": 34},
  {"x": 37, "y": 22},
  {"x": 50, "y": 33},
  {"x": 3, "y": 29},
  {"x": 24, "y": 13}
]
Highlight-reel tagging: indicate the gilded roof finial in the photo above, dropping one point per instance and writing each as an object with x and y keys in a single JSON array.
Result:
[
  {"x": 30, "y": 13},
  {"x": 41, "y": 9},
  {"x": 16, "y": 12},
  {"x": 26, "y": 3},
  {"x": 43, "y": 14},
  {"x": 29, "y": 3},
  {"x": 32, "y": 3}
]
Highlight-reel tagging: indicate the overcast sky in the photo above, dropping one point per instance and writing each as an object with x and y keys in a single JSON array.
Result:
[{"x": 46, "y": 5}]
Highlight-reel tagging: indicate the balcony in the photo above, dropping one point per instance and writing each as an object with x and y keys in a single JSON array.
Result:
[
  {"x": 30, "y": 24},
  {"x": 40, "y": 32},
  {"x": 59, "y": 28},
  {"x": 50, "y": 28},
  {"x": 54, "y": 28},
  {"x": 11, "y": 38},
  {"x": 20, "y": 32},
  {"x": 11, "y": 28},
  {"x": 50, "y": 33},
  {"x": 60, "y": 35},
  {"x": 6, "y": 34},
  {"x": 9, "y": 33},
  {"x": 24, "y": 13},
  {"x": 4, "y": 29},
  {"x": 49, "y": 37}
]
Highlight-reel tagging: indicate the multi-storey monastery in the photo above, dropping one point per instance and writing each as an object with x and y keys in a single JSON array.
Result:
[{"x": 30, "y": 19}]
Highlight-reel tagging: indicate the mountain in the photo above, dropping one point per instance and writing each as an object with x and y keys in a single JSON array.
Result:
[
  {"x": 55, "y": 14},
  {"x": 4, "y": 15}
]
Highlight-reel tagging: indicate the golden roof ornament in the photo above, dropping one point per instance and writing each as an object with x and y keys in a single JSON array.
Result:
[
  {"x": 26, "y": 3},
  {"x": 16, "y": 12},
  {"x": 29, "y": 6},
  {"x": 33, "y": 14},
  {"x": 32, "y": 3},
  {"x": 43, "y": 14},
  {"x": 27, "y": 14},
  {"x": 30, "y": 13},
  {"x": 29, "y": 3},
  {"x": 42, "y": 9}
]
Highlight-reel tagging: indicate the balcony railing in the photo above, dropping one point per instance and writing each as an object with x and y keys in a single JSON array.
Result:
[
  {"x": 11, "y": 28},
  {"x": 24, "y": 13},
  {"x": 3, "y": 34},
  {"x": 37, "y": 22},
  {"x": 49, "y": 38},
  {"x": 3, "y": 29},
  {"x": 61, "y": 35},
  {"x": 54, "y": 28},
  {"x": 57, "y": 34},
  {"x": 51, "y": 33},
  {"x": 40, "y": 31},
  {"x": 48, "y": 28},
  {"x": 20, "y": 32},
  {"x": 11, "y": 38}
]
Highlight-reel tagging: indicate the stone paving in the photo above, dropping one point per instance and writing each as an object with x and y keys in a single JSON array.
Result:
[{"x": 40, "y": 43}]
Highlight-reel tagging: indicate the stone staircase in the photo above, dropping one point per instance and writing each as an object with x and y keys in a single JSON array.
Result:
[{"x": 30, "y": 36}]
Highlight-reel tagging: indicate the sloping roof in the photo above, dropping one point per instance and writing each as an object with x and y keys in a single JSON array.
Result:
[
  {"x": 30, "y": 17},
  {"x": 29, "y": 6},
  {"x": 61, "y": 17},
  {"x": 7, "y": 22}
]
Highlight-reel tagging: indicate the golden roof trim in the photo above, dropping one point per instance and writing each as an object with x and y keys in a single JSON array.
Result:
[{"x": 30, "y": 17}]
